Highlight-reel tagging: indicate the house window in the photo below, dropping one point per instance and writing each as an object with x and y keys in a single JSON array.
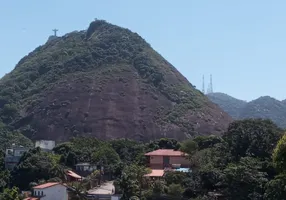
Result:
[
  {"x": 35, "y": 193},
  {"x": 39, "y": 193},
  {"x": 42, "y": 193}
]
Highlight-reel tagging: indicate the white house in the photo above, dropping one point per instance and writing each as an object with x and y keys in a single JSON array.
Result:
[
  {"x": 46, "y": 145},
  {"x": 50, "y": 191}
]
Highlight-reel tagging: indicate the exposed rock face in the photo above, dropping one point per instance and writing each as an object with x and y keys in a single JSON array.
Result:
[{"x": 109, "y": 83}]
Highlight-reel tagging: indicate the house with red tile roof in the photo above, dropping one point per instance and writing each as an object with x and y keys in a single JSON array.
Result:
[
  {"x": 49, "y": 191},
  {"x": 156, "y": 173},
  {"x": 31, "y": 198},
  {"x": 72, "y": 176},
  {"x": 167, "y": 158}
]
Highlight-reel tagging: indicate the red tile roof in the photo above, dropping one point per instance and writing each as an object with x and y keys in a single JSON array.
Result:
[
  {"x": 74, "y": 175},
  {"x": 165, "y": 152},
  {"x": 46, "y": 185},
  {"x": 31, "y": 198},
  {"x": 156, "y": 173}
]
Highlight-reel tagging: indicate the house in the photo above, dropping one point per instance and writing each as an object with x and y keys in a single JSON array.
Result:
[
  {"x": 72, "y": 176},
  {"x": 13, "y": 155},
  {"x": 31, "y": 198},
  {"x": 49, "y": 191},
  {"x": 45, "y": 145},
  {"x": 167, "y": 158},
  {"x": 156, "y": 173},
  {"x": 85, "y": 169}
]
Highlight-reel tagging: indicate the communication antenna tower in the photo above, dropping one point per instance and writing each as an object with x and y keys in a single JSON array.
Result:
[
  {"x": 211, "y": 85},
  {"x": 203, "y": 88},
  {"x": 55, "y": 31}
]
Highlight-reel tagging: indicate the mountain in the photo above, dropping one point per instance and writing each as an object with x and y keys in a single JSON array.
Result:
[
  {"x": 264, "y": 107},
  {"x": 105, "y": 82},
  {"x": 267, "y": 108},
  {"x": 284, "y": 101},
  {"x": 229, "y": 104}
]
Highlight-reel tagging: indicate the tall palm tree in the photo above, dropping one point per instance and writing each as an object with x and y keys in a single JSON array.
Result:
[
  {"x": 59, "y": 171},
  {"x": 92, "y": 178},
  {"x": 77, "y": 191}
]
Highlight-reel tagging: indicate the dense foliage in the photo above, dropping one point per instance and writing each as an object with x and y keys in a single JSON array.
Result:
[
  {"x": 8, "y": 136},
  {"x": 236, "y": 166},
  {"x": 246, "y": 163}
]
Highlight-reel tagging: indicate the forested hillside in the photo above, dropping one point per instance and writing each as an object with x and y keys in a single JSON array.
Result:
[{"x": 264, "y": 107}]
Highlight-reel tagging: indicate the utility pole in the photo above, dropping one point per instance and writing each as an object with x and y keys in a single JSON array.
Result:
[{"x": 55, "y": 32}]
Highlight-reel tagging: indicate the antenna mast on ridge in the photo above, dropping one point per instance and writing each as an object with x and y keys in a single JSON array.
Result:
[
  {"x": 203, "y": 88},
  {"x": 211, "y": 85}
]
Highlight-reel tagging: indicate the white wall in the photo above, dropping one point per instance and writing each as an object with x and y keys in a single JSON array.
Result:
[
  {"x": 45, "y": 144},
  {"x": 57, "y": 192}
]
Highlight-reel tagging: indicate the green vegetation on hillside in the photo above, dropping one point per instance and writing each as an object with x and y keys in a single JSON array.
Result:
[
  {"x": 267, "y": 108},
  {"x": 9, "y": 136},
  {"x": 229, "y": 104},
  {"x": 246, "y": 163}
]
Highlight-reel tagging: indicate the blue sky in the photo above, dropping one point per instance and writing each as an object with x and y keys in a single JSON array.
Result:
[{"x": 241, "y": 43}]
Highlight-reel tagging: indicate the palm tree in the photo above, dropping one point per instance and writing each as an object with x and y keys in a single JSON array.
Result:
[
  {"x": 77, "y": 191},
  {"x": 59, "y": 171},
  {"x": 92, "y": 178}
]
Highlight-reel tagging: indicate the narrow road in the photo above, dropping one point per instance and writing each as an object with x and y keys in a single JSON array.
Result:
[{"x": 106, "y": 188}]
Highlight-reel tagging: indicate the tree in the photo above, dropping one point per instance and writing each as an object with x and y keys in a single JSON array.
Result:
[
  {"x": 189, "y": 146},
  {"x": 34, "y": 165},
  {"x": 4, "y": 179},
  {"x": 252, "y": 137},
  {"x": 9, "y": 137},
  {"x": 164, "y": 143},
  {"x": 175, "y": 190},
  {"x": 79, "y": 149},
  {"x": 77, "y": 191},
  {"x": 276, "y": 188},
  {"x": 244, "y": 180},
  {"x": 9, "y": 112},
  {"x": 58, "y": 171},
  {"x": 130, "y": 182},
  {"x": 279, "y": 155},
  {"x": 129, "y": 151},
  {"x": 158, "y": 188},
  {"x": 174, "y": 177},
  {"x": 204, "y": 142},
  {"x": 107, "y": 157},
  {"x": 91, "y": 180},
  {"x": 10, "y": 194}
]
